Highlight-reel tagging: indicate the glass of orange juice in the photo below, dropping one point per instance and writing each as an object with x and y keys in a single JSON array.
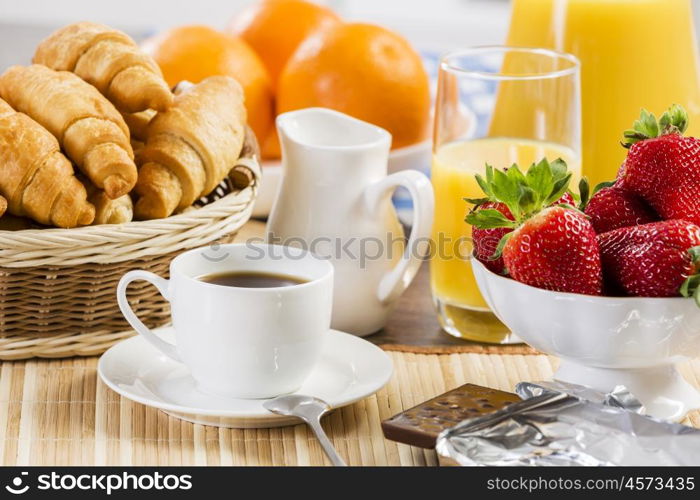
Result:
[{"x": 495, "y": 105}]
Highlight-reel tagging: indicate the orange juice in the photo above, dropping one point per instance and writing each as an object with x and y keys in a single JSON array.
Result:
[
  {"x": 634, "y": 54},
  {"x": 453, "y": 170}
]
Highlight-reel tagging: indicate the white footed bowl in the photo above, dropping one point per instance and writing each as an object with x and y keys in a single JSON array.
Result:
[{"x": 605, "y": 341}]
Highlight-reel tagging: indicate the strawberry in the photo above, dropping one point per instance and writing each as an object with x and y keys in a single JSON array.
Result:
[
  {"x": 555, "y": 250},
  {"x": 486, "y": 241},
  {"x": 566, "y": 199},
  {"x": 612, "y": 207},
  {"x": 550, "y": 247},
  {"x": 660, "y": 259},
  {"x": 663, "y": 166}
]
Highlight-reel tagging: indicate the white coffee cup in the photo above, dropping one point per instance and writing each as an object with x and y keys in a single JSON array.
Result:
[{"x": 242, "y": 342}]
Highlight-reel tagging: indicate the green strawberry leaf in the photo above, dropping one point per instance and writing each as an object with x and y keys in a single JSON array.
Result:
[
  {"x": 689, "y": 285},
  {"x": 569, "y": 207},
  {"x": 647, "y": 124},
  {"x": 603, "y": 185},
  {"x": 560, "y": 187},
  {"x": 506, "y": 190},
  {"x": 489, "y": 218},
  {"x": 584, "y": 192},
  {"x": 515, "y": 174},
  {"x": 540, "y": 179},
  {"x": 501, "y": 245},
  {"x": 675, "y": 120},
  {"x": 527, "y": 199},
  {"x": 691, "y": 288},
  {"x": 559, "y": 169},
  {"x": 646, "y": 127},
  {"x": 695, "y": 255},
  {"x": 483, "y": 184},
  {"x": 477, "y": 202},
  {"x": 525, "y": 194}
]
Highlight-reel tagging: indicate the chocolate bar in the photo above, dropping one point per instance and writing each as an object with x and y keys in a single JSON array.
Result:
[{"x": 421, "y": 425}]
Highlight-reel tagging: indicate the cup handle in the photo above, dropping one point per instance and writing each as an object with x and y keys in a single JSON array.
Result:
[
  {"x": 395, "y": 282},
  {"x": 162, "y": 285}
]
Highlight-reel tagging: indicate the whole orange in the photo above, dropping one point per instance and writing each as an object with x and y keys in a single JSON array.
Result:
[
  {"x": 196, "y": 52},
  {"x": 365, "y": 71},
  {"x": 275, "y": 28},
  {"x": 270, "y": 147}
]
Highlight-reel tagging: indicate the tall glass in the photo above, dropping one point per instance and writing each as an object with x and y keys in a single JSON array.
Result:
[
  {"x": 496, "y": 105},
  {"x": 634, "y": 54}
]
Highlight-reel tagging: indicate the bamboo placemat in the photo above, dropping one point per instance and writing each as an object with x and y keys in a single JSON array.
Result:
[{"x": 56, "y": 412}]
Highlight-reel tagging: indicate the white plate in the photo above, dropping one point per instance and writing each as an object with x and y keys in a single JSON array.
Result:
[
  {"x": 350, "y": 369},
  {"x": 416, "y": 157}
]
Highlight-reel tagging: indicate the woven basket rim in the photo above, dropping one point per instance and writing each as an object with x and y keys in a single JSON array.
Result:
[
  {"x": 153, "y": 224},
  {"x": 132, "y": 240}
]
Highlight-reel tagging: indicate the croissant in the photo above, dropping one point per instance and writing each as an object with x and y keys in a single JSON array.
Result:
[
  {"x": 108, "y": 211},
  {"x": 111, "y": 61},
  {"x": 191, "y": 147},
  {"x": 35, "y": 177},
  {"x": 138, "y": 123},
  {"x": 93, "y": 134},
  {"x": 3, "y": 205}
]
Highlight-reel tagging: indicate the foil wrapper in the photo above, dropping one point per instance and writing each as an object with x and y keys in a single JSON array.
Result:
[{"x": 566, "y": 424}]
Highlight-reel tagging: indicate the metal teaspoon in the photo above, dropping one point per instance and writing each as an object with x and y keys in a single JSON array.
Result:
[{"x": 310, "y": 410}]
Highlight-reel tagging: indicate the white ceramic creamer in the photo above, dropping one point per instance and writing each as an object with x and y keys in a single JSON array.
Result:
[{"x": 335, "y": 200}]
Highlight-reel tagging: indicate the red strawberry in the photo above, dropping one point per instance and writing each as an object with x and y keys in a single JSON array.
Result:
[
  {"x": 663, "y": 166},
  {"x": 652, "y": 260},
  {"x": 612, "y": 208},
  {"x": 551, "y": 247},
  {"x": 556, "y": 250},
  {"x": 486, "y": 240},
  {"x": 566, "y": 199}
]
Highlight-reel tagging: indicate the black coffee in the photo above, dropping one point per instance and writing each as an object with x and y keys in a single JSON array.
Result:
[{"x": 249, "y": 279}]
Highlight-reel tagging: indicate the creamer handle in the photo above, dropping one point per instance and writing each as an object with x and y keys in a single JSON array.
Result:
[{"x": 395, "y": 282}]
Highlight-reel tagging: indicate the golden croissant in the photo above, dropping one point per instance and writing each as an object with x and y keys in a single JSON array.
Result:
[
  {"x": 111, "y": 61},
  {"x": 3, "y": 205},
  {"x": 108, "y": 211},
  {"x": 138, "y": 123},
  {"x": 35, "y": 177},
  {"x": 90, "y": 130},
  {"x": 191, "y": 147}
]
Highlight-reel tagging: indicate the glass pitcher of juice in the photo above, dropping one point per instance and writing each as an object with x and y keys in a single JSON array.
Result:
[
  {"x": 634, "y": 54},
  {"x": 539, "y": 91}
]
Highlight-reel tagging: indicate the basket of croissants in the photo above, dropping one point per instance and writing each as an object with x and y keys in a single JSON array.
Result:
[{"x": 104, "y": 169}]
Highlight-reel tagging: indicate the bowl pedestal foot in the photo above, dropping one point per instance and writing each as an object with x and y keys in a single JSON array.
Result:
[{"x": 663, "y": 391}]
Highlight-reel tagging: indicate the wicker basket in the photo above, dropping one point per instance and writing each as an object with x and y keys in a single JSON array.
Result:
[{"x": 58, "y": 286}]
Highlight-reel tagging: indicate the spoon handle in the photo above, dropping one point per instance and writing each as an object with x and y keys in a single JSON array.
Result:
[{"x": 327, "y": 446}]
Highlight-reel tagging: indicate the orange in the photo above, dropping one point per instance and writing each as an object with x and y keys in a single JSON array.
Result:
[
  {"x": 275, "y": 28},
  {"x": 270, "y": 147},
  {"x": 365, "y": 71},
  {"x": 196, "y": 52}
]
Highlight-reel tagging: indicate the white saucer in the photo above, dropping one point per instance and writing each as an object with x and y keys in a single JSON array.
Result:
[{"x": 350, "y": 369}]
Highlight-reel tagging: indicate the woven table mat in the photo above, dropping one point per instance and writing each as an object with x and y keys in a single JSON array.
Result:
[{"x": 57, "y": 412}]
